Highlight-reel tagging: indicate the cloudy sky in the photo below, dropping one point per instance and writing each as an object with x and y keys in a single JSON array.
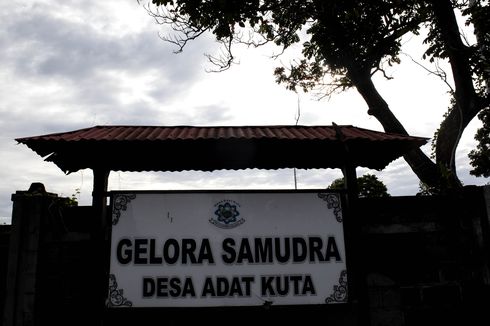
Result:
[{"x": 67, "y": 65}]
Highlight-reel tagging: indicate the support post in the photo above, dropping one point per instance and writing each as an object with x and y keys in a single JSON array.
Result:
[
  {"x": 350, "y": 182},
  {"x": 356, "y": 275},
  {"x": 357, "y": 278},
  {"x": 99, "y": 235},
  {"x": 99, "y": 197}
]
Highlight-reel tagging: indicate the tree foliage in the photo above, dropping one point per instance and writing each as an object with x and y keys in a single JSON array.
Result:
[
  {"x": 480, "y": 157},
  {"x": 345, "y": 43},
  {"x": 368, "y": 185}
]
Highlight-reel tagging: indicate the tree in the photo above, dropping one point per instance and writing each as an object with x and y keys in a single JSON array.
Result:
[
  {"x": 480, "y": 157},
  {"x": 345, "y": 43},
  {"x": 369, "y": 186}
]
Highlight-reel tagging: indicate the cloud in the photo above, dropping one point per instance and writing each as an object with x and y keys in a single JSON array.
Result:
[
  {"x": 198, "y": 180},
  {"x": 65, "y": 68},
  {"x": 42, "y": 45},
  {"x": 202, "y": 115}
]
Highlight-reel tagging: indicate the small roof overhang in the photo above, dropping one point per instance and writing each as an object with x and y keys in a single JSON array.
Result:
[{"x": 179, "y": 148}]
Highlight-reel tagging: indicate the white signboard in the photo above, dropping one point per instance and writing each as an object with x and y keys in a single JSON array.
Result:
[{"x": 203, "y": 249}]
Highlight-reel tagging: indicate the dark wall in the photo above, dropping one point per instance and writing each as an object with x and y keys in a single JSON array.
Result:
[
  {"x": 426, "y": 260},
  {"x": 4, "y": 246},
  {"x": 66, "y": 267}
]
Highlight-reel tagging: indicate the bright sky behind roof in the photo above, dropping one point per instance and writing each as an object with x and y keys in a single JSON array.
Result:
[{"x": 69, "y": 65}]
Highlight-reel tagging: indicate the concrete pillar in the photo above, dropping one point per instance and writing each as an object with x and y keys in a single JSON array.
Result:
[{"x": 29, "y": 207}]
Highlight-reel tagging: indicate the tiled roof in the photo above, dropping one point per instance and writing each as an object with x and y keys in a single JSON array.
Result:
[
  {"x": 163, "y": 133},
  {"x": 163, "y": 148}
]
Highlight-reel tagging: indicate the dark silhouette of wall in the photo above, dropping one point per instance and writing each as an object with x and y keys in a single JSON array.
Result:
[
  {"x": 4, "y": 246},
  {"x": 426, "y": 259}
]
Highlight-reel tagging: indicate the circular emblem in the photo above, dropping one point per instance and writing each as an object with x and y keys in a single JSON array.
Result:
[{"x": 226, "y": 214}]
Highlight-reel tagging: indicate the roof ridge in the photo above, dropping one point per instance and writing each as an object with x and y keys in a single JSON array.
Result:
[{"x": 218, "y": 126}]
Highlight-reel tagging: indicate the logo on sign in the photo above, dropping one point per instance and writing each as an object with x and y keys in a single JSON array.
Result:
[{"x": 227, "y": 214}]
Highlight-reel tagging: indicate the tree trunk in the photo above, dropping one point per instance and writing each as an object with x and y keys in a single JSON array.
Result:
[
  {"x": 425, "y": 169},
  {"x": 466, "y": 106}
]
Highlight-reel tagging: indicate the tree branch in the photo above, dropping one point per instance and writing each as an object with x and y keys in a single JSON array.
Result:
[{"x": 438, "y": 72}]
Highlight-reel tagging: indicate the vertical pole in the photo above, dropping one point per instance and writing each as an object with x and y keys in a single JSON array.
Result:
[
  {"x": 350, "y": 181},
  {"x": 357, "y": 281},
  {"x": 350, "y": 186},
  {"x": 100, "y": 242},
  {"x": 356, "y": 276},
  {"x": 99, "y": 196}
]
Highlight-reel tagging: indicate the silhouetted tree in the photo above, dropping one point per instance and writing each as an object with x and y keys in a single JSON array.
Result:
[
  {"x": 368, "y": 185},
  {"x": 480, "y": 157},
  {"x": 346, "y": 43}
]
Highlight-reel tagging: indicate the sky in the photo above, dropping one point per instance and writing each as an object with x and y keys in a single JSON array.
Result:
[{"x": 67, "y": 65}]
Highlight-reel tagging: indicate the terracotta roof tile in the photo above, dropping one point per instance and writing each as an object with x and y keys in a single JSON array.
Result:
[
  {"x": 159, "y": 133},
  {"x": 163, "y": 148}
]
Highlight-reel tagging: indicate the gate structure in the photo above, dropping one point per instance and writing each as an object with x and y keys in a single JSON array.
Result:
[{"x": 155, "y": 148}]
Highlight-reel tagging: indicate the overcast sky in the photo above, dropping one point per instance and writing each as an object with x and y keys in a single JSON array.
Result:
[{"x": 67, "y": 65}]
